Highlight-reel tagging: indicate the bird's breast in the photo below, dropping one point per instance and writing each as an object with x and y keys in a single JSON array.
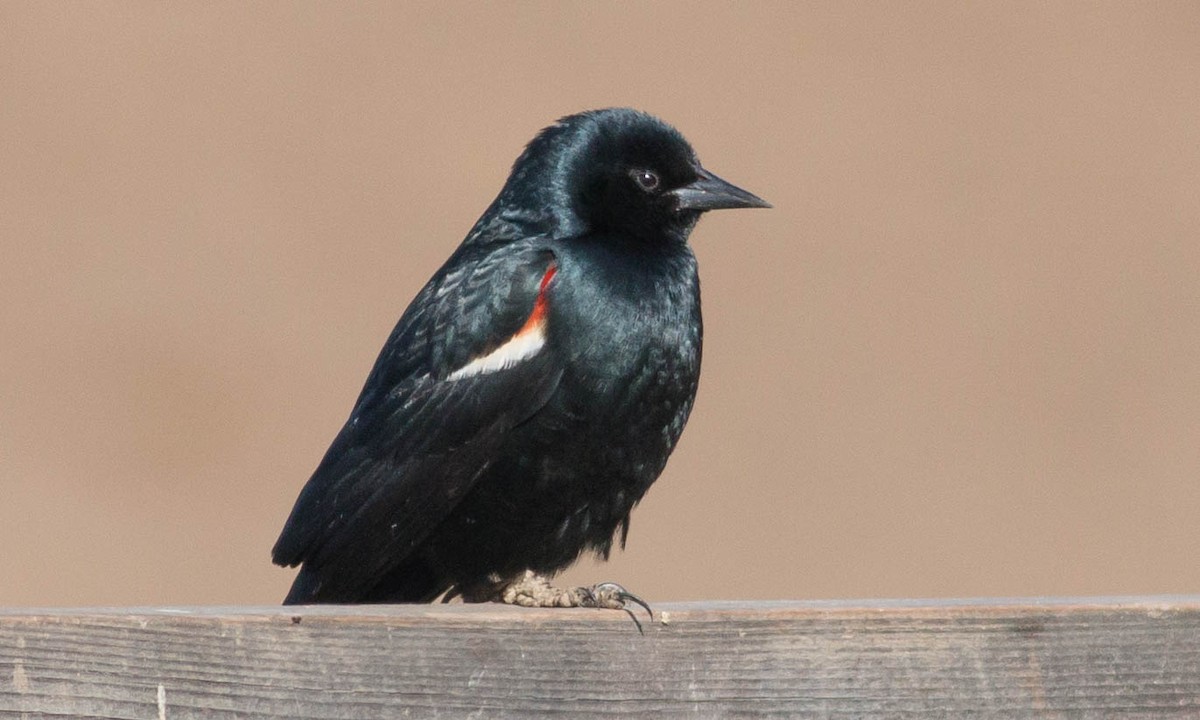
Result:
[{"x": 628, "y": 331}]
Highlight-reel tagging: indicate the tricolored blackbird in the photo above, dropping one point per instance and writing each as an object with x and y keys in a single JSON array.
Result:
[{"x": 532, "y": 391}]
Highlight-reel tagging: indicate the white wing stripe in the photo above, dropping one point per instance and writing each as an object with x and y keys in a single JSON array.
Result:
[{"x": 521, "y": 347}]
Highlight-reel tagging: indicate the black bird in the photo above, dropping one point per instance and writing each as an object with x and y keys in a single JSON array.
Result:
[{"x": 532, "y": 391}]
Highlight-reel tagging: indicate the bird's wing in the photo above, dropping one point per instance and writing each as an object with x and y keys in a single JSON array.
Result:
[{"x": 465, "y": 365}]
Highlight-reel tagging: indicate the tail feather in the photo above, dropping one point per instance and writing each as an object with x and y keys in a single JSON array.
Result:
[{"x": 412, "y": 582}]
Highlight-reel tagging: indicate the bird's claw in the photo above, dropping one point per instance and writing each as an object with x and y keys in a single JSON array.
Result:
[{"x": 611, "y": 596}]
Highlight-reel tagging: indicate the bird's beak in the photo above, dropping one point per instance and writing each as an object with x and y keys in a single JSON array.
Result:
[{"x": 709, "y": 192}]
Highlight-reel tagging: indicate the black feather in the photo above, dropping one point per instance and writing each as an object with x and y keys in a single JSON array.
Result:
[{"x": 444, "y": 479}]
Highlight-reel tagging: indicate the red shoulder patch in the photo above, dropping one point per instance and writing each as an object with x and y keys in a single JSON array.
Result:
[
  {"x": 527, "y": 342},
  {"x": 538, "y": 316}
]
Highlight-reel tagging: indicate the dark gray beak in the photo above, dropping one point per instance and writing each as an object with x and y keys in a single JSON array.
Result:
[{"x": 709, "y": 192}]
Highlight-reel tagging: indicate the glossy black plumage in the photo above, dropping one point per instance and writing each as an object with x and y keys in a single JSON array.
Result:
[{"x": 468, "y": 458}]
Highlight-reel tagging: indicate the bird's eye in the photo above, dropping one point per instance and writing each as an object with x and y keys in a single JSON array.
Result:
[{"x": 645, "y": 179}]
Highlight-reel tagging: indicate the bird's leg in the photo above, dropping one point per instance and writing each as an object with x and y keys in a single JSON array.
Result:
[{"x": 534, "y": 590}]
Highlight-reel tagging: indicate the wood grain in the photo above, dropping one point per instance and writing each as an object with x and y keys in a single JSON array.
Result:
[{"x": 1131, "y": 657}]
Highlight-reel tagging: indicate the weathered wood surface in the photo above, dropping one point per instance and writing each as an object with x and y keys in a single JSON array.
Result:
[{"x": 1134, "y": 657}]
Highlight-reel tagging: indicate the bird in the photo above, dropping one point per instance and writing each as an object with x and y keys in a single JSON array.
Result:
[{"x": 532, "y": 391}]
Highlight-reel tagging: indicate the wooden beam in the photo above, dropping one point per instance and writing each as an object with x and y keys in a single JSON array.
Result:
[{"x": 1135, "y": 657}]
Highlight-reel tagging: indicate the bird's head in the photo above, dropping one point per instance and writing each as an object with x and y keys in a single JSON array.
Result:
[{"x": 619, "y": 170}]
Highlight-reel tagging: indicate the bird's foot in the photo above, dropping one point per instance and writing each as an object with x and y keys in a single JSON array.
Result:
[{"x": 534, "y": 590}]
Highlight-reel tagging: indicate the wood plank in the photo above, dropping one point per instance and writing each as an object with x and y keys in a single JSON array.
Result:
[{"x": 1134, "y": 657}]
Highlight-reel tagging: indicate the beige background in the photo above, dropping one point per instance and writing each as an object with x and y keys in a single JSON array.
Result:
[{"x": 960, "y": 357}]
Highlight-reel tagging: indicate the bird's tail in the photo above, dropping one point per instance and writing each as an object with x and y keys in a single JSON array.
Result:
[
  {"x": 411, "y": 582},
  {"x": 305, "y": 588}
]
